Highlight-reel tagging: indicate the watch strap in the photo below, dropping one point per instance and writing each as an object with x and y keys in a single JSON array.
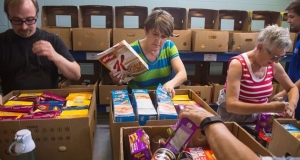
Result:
[{"x": 209, "y": 120}]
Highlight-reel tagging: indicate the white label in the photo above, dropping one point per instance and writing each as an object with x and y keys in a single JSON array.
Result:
[
  {"x": 91, "y": 56},
  {"x": 210, "y": 57}
]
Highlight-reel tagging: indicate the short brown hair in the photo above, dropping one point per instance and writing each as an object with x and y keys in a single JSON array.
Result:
[
  {"x": 17, "y": 4},
  {"x": 160, "y": 19},
  {"x": 295, "y": 6}
]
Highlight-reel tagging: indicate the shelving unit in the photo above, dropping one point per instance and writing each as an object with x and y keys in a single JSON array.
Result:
[{"x": 187, "y": 56}]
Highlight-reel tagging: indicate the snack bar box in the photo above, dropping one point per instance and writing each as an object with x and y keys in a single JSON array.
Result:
[{"x": 70, "y": 138}]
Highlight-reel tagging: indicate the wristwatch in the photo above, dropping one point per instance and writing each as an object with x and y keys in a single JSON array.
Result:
[{"x": 209, "y": 120}]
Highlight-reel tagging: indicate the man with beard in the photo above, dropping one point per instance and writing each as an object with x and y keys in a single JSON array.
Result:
[
  {"x": 293, "y": 10},
  {"x": 30, "y": 57}
]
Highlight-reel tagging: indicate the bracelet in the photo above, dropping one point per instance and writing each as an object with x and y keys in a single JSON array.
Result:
[{"x": 209, "y": 120}]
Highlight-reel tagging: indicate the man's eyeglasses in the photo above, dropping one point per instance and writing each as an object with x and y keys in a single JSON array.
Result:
[
  {"x": 20, "y": 22},
  {"x": 274, "y": 58}
]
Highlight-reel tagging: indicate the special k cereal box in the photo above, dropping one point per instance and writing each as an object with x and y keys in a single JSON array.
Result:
[
  {"x": 122, "y": 108},
  {"x": 122, "y": 57}
]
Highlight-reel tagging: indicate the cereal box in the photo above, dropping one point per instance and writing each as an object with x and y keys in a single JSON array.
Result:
[
  {"x": 122, "y": 57},
  {"x": 122, "y": 108},
  {"x": 143, "y": 104},
  {"x": 139, "y": 145},
  {"x": 165, "y": 107}
]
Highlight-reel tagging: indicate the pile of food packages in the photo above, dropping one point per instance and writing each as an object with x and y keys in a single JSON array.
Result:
[{"x": 45, "y": 105}]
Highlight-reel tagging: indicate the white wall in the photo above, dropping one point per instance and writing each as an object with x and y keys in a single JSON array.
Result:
[{"x": 247, "y": 5}]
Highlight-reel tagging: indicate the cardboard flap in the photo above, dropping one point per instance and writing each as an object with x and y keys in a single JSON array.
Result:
[
  {"x": 121, "y": 11},
  {"x": 211, "y": 17},
  {"x": 179, "y": 16},
  {"x": 87, "y": 11},
  {"x": 49, "y": 14},
  {"x": 241, "y": 19}
]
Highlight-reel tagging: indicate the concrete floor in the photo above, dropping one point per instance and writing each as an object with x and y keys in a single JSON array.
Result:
[{"x": 102, "y": 147}]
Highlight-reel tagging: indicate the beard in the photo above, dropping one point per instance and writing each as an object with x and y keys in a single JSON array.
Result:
[{"x": 25, "y": 33}]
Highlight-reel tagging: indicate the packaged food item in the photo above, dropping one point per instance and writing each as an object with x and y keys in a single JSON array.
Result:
[
  {"x": 185, "y": 156},
  {"x": 122, "y": 108},
  {"x": 265, "y": 121},
  {"x": 163, "y": 154},
  {"x": 180, "y": 134},
  {"x": 51, "y": 97},
  {"x": 17, "y": 103},
  {"x": 122, "y": 57},
  {"x": 292, "y": 129},
  {"x": 165, "y": 107},
  {"x": 181, "y": 98},
  {"x": 143, "y": 106},
  {"x": 139, "y": 145},
  {"x": 21, "y": 109},
  {"x": 201, "y": 153}
]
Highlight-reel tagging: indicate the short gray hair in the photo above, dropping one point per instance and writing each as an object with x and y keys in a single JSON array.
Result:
[{"x": 274, "y": 37}]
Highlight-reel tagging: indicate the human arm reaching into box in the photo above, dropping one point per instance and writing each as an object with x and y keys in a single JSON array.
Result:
[
  {"x": 249, "y": 79},
  {"x": 222, "y": 142},
  {"x": 159, "y": 53}
]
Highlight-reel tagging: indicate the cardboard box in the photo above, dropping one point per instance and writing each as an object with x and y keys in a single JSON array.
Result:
[
  {"x": 211, "y": 17},
  {"x": 294, "y": 41},
  {"x": 89, "y": 38},
  {"x": 274, "y": 90},
  {"x": 204, "y": 91},
  {"x": 50, "y": 13},
  {"x": 76, "y": 134},
  {"x": 184, "y": 39},
  {"x": 242, "y": 41},
  {"x": 115, "y": 127},
  {"x": 128, "y": 34},
  {"x": 210, "y": 41},
  {"x": 198, "y": 140},
  {"x": 269, "y": 17},
  {"x": 64, "y": 33},
  {"x": 179, "y": 16},
  {"x": 217, "y": 82},
  {"x": 242, "y": 20},
  {"x": 121, "y": 11},
  {"x": 282, "y": 142},
  {"x": 106, "y": 85}
]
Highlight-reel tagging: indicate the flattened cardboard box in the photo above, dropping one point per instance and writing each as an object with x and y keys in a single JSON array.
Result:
[
  {"x": 283, "y": 142},
  {"x": 76, "y": 134},
  {"x": 184, "y": 39},
  {"x": 198, "y": 140},
  {"x": 115, "y": 127},
  {"x": 128, "y": 34},
  {"x": 91, "y": 39},
  {"x": 210, "y": 41}
]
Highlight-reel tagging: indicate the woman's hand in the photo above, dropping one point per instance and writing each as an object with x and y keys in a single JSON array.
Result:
[{"x": 170, "y": 89}]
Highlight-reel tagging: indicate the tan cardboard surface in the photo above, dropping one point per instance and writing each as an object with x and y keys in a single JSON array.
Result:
[
  {"x": 76, "y": 134},
  {"x": 210, "y": 41},
  {"x": 115, "y": 127},
  {"x": 64, "y": 33},
  {"x": 217, "y": 82},
  {"x": 242, "y": 19},
  {"x": 128, "y": 34},
  {"x": 91, "y": 39},
  {"x": 121, "y": 11},
  {"x": 211, "y": 17},
  {"x": 184, "y": 39},
  {"x": 269, "y": 17},
  {"x": 179, "y": 16},
  {"x": 282, "y": 142},
  {"x": 242, "y": 42},
  {"x": 50, "y": 13},
  {"x": 204, "y": 92},
  {"x": 198, "y": 140},
  {"x": 87, "y": 11}
]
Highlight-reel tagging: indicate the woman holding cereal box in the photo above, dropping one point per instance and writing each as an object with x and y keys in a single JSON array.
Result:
[{"x": 159, "y": 53}]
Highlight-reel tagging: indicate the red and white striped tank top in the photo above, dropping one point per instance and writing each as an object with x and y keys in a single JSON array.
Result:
[{"x": 252, "y": 89}]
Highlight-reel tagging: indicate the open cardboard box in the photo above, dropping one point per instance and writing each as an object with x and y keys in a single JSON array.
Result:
[
  {"x": 282, "y": 142},
  {"x": 76, "y": 134},
  {"x": 115, "y": 126},
  {"x": 198, "y": 140}
]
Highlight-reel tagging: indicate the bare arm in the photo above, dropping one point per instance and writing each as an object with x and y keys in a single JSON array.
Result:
[
  {"x": 290, "y": 89},
  {"x": 70, "y": 70},
  {"x": 180, "y": 76},
  {"x": 233, "y": 104},
  {"x": 220, "y": 139}
]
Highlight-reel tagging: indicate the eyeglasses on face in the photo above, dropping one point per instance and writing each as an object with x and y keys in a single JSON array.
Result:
[
  {"x": 274, "y": 57},
  {"x": 29, "y": 21}
]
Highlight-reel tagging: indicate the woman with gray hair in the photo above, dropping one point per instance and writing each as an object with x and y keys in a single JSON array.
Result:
[{"x": 249, "y": 79}]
